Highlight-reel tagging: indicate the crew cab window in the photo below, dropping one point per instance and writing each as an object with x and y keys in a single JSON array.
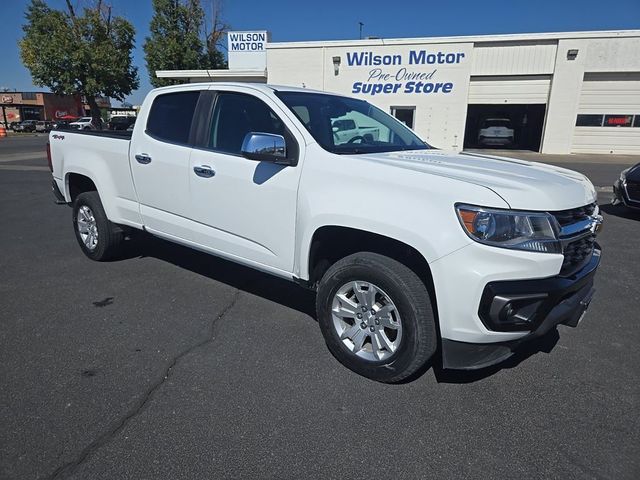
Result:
[
  {"x": 235, "y": 115},
  {"x": 171, "y": 116}
]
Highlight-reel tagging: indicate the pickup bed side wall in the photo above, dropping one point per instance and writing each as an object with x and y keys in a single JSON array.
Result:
[{"x": 105, "y": 160}]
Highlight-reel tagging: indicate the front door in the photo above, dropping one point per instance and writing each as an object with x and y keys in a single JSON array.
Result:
[{"x": 246, "y": 208}]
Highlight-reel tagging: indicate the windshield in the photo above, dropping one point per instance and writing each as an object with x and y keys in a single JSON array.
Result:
[{"x": 345, "y": 125}]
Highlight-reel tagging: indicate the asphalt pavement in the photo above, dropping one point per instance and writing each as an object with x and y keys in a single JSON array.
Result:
[{"x": 174, "y": 364}]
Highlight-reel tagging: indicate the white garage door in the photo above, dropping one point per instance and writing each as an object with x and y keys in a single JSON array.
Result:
[
  {"x": 608, "y": 114},
  {"x": 505, "y": 90}
]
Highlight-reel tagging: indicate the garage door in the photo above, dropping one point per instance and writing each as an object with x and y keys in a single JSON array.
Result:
[
  {"x": 608, "y": 118},
  {"x": 520, "y": 89}
]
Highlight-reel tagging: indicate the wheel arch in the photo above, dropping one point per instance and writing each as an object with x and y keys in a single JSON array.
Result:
[
  {"x": 77, "y": 183},
  {"x": 330, "y": 243}
]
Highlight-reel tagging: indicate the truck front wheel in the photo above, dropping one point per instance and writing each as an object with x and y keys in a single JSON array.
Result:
[
  {"x": 376, "y": 317},
  {"x": 98, "y": 238}
]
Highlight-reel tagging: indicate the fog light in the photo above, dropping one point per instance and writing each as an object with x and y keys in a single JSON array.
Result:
[{"x": 512, "y": 312}]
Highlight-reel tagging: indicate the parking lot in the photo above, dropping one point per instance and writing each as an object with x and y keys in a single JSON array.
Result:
[{"x": 174, "y": 364}]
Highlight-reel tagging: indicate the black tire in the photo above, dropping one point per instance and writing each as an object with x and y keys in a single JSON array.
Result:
[
  {"x": 110, "y": 236},
  {"x": 412, "y": 299}
]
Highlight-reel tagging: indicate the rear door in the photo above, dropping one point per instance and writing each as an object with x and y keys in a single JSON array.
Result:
[
  {"x": 159, "y": 159},
  {"x": 245, "y": 208}
]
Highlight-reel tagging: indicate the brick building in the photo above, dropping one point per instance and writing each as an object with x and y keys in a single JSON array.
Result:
[{"x": 20, "y": 106}]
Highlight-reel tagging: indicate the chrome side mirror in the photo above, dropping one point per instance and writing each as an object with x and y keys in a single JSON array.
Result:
[{"x": 265, "y": 147}]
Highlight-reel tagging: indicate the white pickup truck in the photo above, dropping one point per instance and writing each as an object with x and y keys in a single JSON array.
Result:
[{"x": 416, "y": 254}]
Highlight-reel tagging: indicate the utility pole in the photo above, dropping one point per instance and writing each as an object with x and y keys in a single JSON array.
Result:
[{"x": 361, "y": 25}]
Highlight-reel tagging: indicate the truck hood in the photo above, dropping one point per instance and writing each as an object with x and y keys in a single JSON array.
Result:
[{"x": 523, "y": 185}]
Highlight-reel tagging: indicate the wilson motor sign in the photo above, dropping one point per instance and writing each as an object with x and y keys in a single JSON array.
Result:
[
  {"x": 247, "y": 50},
  {"x": 433, "y": 80},
  {"x": 416, "y": 71}
]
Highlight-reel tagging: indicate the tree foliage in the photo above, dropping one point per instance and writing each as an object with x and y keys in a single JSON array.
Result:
[
  {"x": 86, "y": 54},
  {"x": 181, "y": 40},
  {"x": 215, "y": 33}
]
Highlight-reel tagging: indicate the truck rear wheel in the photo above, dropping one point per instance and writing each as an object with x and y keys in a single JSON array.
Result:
[
  {"x": 98, "y": 238},
  {"x": 376, "y": 317}
]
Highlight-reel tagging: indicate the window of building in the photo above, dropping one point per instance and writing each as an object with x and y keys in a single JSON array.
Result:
[
  {"x": 29, "y": 96},
  {"x": 636, "y": 121},
  {"x": 31, "y": 113},
  {"x": 618, "y": 120},
  {"x": 171, "y": 116},
  {"x": 237, "y": 114},
  {"x": 589, "y": 120},
  {"x": 404, "y": 114}
]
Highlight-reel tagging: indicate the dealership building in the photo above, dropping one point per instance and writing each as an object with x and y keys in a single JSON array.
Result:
[{"x": 573, "y": 92}]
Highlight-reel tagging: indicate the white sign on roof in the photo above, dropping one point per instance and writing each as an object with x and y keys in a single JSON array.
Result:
[{"x": 247, "y": 50}]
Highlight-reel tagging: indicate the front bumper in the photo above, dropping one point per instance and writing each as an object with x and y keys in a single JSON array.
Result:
[
  {"x": 544, "y": 303},
  {"x": 495, "y": 140}
]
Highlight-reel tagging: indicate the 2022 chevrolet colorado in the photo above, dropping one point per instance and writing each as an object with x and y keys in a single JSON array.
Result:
[{"x": 412, "y": 251}]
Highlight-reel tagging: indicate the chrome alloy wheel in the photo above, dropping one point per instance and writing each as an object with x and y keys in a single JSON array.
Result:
[
  {"x": 87, "y": 227},
  {"x": 366, "y": 320}
]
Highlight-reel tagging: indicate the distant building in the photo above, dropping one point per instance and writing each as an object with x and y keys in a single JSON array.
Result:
[{"x": 20, "y": 106}]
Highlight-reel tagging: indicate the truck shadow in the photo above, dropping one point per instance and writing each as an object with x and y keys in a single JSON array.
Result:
[
  {"x": 293, "y": 296},
  {"x": 237, "y": 276}
]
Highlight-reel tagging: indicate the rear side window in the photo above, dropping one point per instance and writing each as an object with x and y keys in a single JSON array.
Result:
[{"x": 171, "y": 116}]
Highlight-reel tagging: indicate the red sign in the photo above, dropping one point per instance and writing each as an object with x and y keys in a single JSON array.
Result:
[
  {"x": 618, "y": 120},
  {"x": 61, "y": 113},
  {"x": 7, "y": 99}
]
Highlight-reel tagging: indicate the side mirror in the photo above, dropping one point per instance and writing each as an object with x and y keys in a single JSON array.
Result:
[{"x": 265, "y": 147}]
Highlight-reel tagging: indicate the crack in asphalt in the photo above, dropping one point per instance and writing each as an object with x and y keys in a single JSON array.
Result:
[{"x": 68, "y": 468}]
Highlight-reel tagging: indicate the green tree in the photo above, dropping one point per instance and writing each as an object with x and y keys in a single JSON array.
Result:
[
  {"x": 86, "y": 54},
  {"x": 175, "y": 42}
]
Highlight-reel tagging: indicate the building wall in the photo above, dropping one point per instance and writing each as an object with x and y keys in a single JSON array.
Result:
[
  {"x": 440, "y": 116},
  {"x": 514, "y": 58},
  {"x": 609, "y": 54},
  {"x": 519, "y": 69},
  {"x": 18, "y": 106},
  {"x": 57, "y": 106}
]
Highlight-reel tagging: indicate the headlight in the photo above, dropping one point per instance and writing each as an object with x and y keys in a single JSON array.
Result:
[{"x": 531, "y": 231}]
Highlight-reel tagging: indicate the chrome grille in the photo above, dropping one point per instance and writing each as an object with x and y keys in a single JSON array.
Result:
[
  {"x": 574, "y": 215},
  {"x": 577, "y": 254},
  {"x": 576, "y": 236}
]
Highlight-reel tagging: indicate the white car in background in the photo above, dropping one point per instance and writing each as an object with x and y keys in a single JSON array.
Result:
[
  {"x": 496, "y": 131},
  {"x": 346, "y": 130},
  {"x": 83, "y": 123}
]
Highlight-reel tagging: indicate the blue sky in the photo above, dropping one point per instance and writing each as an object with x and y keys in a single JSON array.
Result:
[{"x": 295, "y": 20}]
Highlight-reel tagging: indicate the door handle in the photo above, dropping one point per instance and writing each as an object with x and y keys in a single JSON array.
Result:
[
  {"x": 204, "y": 171},
  {"x": 143, "y": 158}
]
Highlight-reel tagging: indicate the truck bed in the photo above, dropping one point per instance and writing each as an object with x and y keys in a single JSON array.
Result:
[{"x": 118, "y": 134}]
